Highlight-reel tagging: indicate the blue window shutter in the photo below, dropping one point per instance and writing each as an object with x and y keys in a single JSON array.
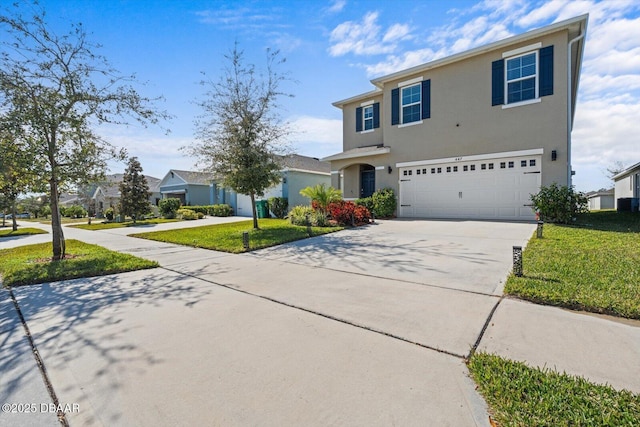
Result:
[
  {"x": 359, "y": 119},
  {"x": 546, "y": 71},
  {"x": 395, "y": 106},
  {"x": 497, "y": 82},
  {"x": 376, "y": 115},
  {"x": 426, "y": 99}
]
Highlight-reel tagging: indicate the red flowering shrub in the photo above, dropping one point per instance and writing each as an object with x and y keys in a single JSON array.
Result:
[
  {"x": 345, "y": 212},
  {"x": 315, "y": 205}
]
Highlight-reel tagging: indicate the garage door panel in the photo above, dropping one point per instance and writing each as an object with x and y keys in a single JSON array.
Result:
[{"x": 491, "y": 189}]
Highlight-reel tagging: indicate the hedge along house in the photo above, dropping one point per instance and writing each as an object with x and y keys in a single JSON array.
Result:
[
  {"x": 472, "y": 135},
  {"x": 297, "y": 172}
]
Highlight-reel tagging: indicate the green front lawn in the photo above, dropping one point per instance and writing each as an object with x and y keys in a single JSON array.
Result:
[
  {"x": 228, "y": 237},
  {"x": 20, "y": 232},
  {"x": 31, "y": 264},
  {"x": 109, "y": 225},
  {"x": 522, "y": 396},
  {"x": 592, "y": 265}
]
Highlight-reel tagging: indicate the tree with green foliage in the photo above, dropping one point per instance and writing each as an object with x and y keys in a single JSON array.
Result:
[
  {"x": 240, "y": 133},
  {"x": 321, "y": 196},
  {"x": 134, "y": 191},
  {"x": 58, "y": 88},
  {"x": 15, "y": 166},
  {"x": 559, "y": 203}
]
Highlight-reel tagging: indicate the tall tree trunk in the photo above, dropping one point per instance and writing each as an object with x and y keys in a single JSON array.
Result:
[
  {"x": 59, "y": 247},
  {"x": 253, "y": 210},
  {"x": 13, "y": 215}
]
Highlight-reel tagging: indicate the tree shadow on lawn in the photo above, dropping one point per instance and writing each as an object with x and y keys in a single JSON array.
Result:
[{"x": 78, "y": 320}]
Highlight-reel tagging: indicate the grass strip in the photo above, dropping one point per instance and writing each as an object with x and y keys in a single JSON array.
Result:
[
  {"x": 31, "y": 264},
  {"x": 21, "y": 232},
  {"x": 592, "y": 265},
  {"x": 110, "y": 225},
  {"x": 522, "y": 396},
  {"x": 228, "y": 237}
]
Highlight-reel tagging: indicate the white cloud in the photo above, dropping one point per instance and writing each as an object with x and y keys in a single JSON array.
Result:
[
  {"x": 543, "y": 13},
  {"x": 315, "y": 136},
  {"x": 605, "y": 131},
  {"x": 337, "y": 6},
  {"x": 397, "y": 32},
  {"x": 365, "y": 38},
  {"x": 316, "y": 129}
]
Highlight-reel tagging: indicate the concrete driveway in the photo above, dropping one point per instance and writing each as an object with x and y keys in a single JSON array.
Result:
[{"x": 368, "y": 326}]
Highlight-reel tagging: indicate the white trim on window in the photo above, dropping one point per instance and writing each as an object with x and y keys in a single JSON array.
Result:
[
  {"x": 535, "y": 77},
  {"x": 412, "y": 104},
  {"x": 366, "y": 119},
  {"x": 521, "y": 103},
  {"x": 367, "y": 131},
  {"x": 524, "y": 49},
  {"x": 380, "y": 168},
  {"x": 410, "y": 82},
  {"x": 404, "y": 125},
  {"x": 364, "y": 104}
]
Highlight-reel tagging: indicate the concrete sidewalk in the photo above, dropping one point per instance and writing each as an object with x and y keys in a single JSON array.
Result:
[{"x": 276, "y": 337}]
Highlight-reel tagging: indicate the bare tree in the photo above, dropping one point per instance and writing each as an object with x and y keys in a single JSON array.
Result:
[
  {"x": 241, "y": 133},
  {"x": 60, "y": 88}
]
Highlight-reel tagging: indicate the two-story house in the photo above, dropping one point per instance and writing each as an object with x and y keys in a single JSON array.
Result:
[{"x": 472, "y": 135}]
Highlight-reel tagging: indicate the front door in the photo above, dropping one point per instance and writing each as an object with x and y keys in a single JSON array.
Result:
[{"x": 367, "y": 180}]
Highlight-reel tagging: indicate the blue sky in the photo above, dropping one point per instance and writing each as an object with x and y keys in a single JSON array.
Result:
[{"x": 334, "y": 48}]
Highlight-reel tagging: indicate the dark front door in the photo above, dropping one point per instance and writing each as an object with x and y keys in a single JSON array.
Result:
[{"x": 367, "y": 180}]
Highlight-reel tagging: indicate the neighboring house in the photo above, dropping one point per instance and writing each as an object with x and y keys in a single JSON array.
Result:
[
  {"x": 298, "y": 172},
  {"x": 192, "y": 188},
  {"x": 472, "y": 135},
  {"x": 627, "y": 186},
  {"x": 107, "y": 193},
  {"x": 201, "y": 188},
  {"x": 601, "y": 200}
]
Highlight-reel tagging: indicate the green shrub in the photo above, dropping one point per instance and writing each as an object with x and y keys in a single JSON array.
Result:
[
  {"x": 109, "y": 214},
  {"x": 367, "y": 202},
  {"x": 221, "y": 210},
  {"x": 559, "y": 203},
  {"x": 188, "y": 214},
  {"x": 305, "y": 215},
  {"x": 73, "y": 211},
  {"x": 279, "y": 206},
  {"x": 169, "y": 207},
  {"x": 384, "y": 203}
]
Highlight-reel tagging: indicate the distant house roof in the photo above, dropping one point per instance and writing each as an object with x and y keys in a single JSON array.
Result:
[
  {"x": 191, "y": 177},
  {"x": 110, "y": 187},
  {"x": 627, "y": 171},
  {"x": 593, "y": 194},
  {"x": 304, "y": 163}
]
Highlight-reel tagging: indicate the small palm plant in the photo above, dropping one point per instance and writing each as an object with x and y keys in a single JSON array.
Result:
[{"x": 321, "y": 196}]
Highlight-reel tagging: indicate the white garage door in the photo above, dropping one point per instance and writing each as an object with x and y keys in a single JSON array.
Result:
[{"x": 494, "y": 188}]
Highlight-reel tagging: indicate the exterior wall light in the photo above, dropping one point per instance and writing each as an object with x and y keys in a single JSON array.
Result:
[
  {"x": 554, "y": 155},
  {"x": 389, "y": 169}
]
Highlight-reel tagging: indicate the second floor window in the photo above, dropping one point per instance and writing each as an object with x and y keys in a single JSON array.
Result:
[
  {"x": 368, "y": 117},
  {"x": 522, "y": 72},
  {"x": 411, "y": 106}
]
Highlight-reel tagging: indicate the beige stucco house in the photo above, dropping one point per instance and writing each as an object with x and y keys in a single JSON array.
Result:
[{"x": 471, "y": 135}]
